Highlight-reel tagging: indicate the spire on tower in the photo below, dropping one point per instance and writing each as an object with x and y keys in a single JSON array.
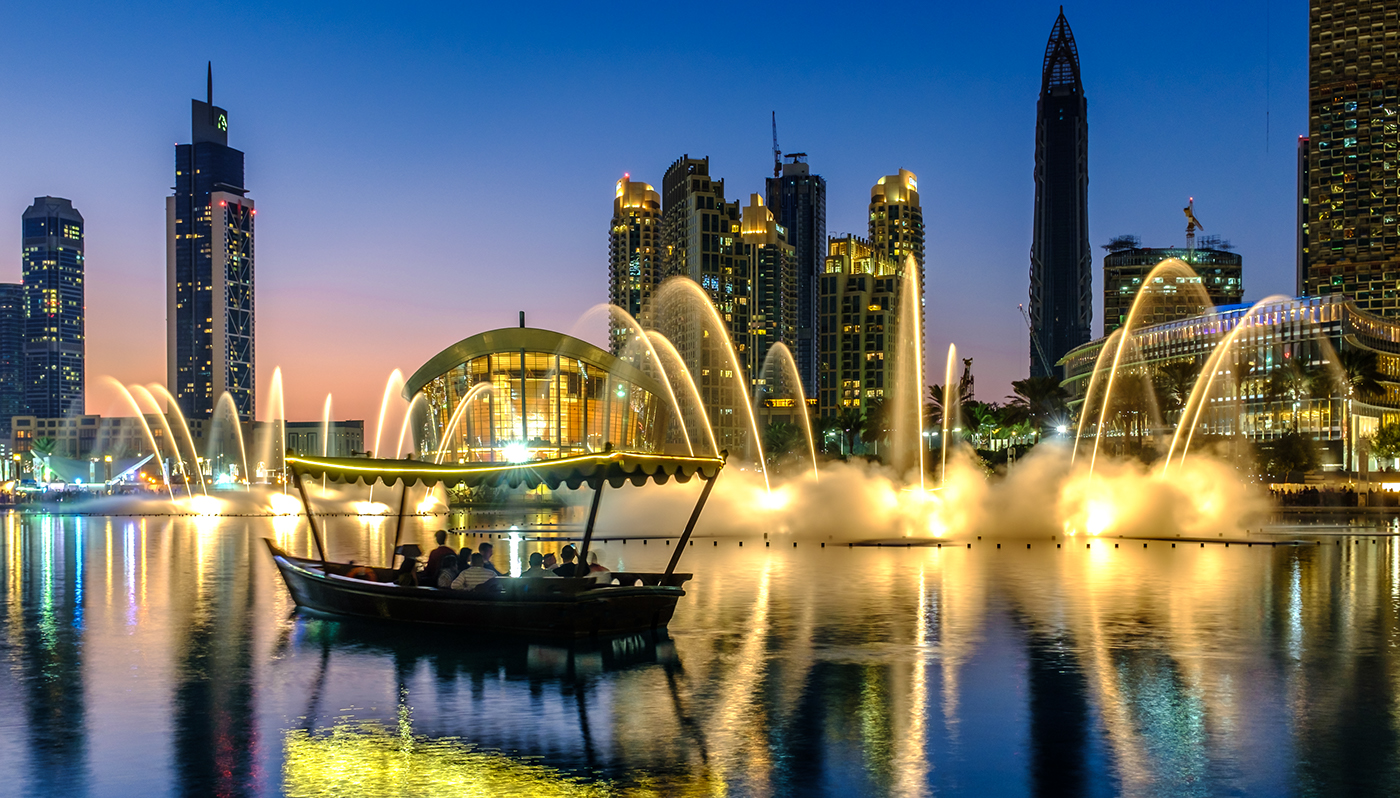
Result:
[{"x": 211, "y": 83}]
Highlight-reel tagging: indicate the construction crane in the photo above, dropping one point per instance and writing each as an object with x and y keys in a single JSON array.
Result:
[
  {"x": 777, "y": 153},
  {"x": 1044, "y": 361},
  {"x": 1192, "y": 225}
]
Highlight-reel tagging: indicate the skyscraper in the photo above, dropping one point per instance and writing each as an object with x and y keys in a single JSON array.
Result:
[
  {"x": 11, "y": 354},
  {"x": 1061, "y": 294},
  {"x": 858, "y": 300},
  {"x": 774, "y": 299},
  {"x": 634, "y": 254},
  {"x": 54, "y": 345},
  {"x": 897, "y": 225},
  {"x": 701, "y": 240},
  {"x": 209, "y": 270},
  {"x": 798, "y": 203},
  {"x": 1218, "y": 270},
  {"x": 1353, "y": 205}
]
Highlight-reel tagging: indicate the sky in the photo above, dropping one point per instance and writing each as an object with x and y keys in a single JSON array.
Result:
[{"x": 423, "y": 172}]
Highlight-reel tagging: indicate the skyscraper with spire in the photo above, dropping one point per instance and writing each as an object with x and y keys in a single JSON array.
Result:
[
  {"x": 1061, "y": 294},
  {"x": 209, "y": 270}
]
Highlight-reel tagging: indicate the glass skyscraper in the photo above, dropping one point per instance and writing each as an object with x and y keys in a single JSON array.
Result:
[
  {"x": 798, "y": 202},
  {"x": 209, "y": 271},
  {"x": 52, "y": 295},
  {"x": 11, "y": 353},
  {"x": 1061, "y": 294},
  {"x": 1349, "y": 167}
]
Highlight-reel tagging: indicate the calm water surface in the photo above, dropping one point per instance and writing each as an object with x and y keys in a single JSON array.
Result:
[{"x": 149, "y": 656}]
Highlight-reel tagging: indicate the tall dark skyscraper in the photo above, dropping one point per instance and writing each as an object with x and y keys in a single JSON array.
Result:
[
  {"x": 11, "y": 353},
  {"x": 54, "y": 345},
  {"x": 798, "y": 203},
  {"x": 1061, "y": 296},
  {"x": 1348, "y": 201},
  {"x": 209, "y": 270}
]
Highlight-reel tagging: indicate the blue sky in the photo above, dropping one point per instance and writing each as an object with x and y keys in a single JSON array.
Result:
[{"x": 422, "y": 172}]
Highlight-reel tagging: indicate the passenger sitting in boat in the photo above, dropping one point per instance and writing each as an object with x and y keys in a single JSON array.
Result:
[
  {"x": 361, "y": 572},
  {"x": 536, "y": 569},
  {"x": 407, "y": 575},
  {"x": 447, "y": 571},
  {"x": 567, "y": 555},
  {"x": 600, "y": 574},
  {"x": 550, "y": 562},
  {"x": 474, "y": 576},
  {"x": 435, "y": 556},
  {"x": 485, "y": 549}
]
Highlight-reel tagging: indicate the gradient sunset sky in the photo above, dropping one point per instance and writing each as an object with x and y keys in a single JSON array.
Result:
[{"x": 422, "y": 172}]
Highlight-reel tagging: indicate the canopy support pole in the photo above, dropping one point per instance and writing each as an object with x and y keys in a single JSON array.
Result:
[
  {"x": 690, "y": 525},
  {"x": 588, "y": 530},
  {"x": 398, "y": 525},
  {"x": 310, "y": 516}
]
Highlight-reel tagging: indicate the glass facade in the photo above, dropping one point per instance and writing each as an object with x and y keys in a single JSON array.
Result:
[
  {"x": 54, "y": 342},
  {"x": 570, "y": 398}
]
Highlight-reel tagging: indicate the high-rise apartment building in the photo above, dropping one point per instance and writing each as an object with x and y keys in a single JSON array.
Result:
[
  {"x": 1353, "y": 192},
  {"x": 858, "y": 301},
  {"x": 54, "y": 309},
  {"x": 209, "y": 270},
  {"x": 897, "y": 225},
  {"x": 774, "y": 298},
  {"x": 1303, "y": 217},
  {"x": 1125, "y": 267},
  {"x": 1061, "y": 292},
  {"x": 11, "y": 354},
  {"x": 701, "y": 240},
  {"x": 634, "y": 255},
  {"x": 798, "y": 202}
]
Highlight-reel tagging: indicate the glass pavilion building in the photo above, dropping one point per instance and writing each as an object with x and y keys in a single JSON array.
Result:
[{"x": 473, "y": 402}]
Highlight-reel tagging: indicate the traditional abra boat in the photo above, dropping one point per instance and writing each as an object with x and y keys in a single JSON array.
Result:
[{"x": 551, "y": 607}]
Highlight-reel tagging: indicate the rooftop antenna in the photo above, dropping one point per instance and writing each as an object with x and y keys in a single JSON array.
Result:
[
  {"x": 211, "y": 82},
  {"x": 777, "y": 153},
  {"x": 1192, "y": 225}
]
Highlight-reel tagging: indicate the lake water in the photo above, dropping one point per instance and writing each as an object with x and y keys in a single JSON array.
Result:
[{"x": 151, "y": 656}]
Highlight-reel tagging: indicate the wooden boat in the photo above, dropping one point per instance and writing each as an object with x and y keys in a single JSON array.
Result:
[{"x": 550, "y": 607}]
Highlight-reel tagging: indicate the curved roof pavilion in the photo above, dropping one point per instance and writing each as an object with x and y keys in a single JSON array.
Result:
[{"x": 473, "y": 402}]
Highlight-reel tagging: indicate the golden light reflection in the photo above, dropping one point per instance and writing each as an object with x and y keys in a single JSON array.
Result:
[{"x": 367, "y": 758}]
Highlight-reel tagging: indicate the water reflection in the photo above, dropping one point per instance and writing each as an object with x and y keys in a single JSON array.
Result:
[{"x": 161, "y": 655}]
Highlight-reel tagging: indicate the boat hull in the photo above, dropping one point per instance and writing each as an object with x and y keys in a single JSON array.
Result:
[{"x": 556, "y": 608}]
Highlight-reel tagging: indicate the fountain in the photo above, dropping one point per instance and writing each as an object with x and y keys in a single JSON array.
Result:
[
  {"x": 326, "y": 427},
  {"x": 146, "y": 428},
  {"x": 393, "y": 387},
  {"x": 448, "y": 436},
  {"x": 226, "y": 411},
  {"x": 907, "y": 388},
  {"x": 685, "y": 289},
  {"x": 167, "y": 432},
  {"x": 786, "y": 362},
  {"x": 678, "y": 368},
  {"x": 184, "y": 426},
  {"x": 639, "y": 336},
  {"x": 952, "y": 408}
]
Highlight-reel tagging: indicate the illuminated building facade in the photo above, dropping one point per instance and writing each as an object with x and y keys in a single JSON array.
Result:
[
  {"x": 570, "y": 398},
  {"x": 1303, "y": 331},
  {"x": 1304, "y": 225},
  {"x": 859, "y": 295},
  {"x": 1061, "y": 292},
  {"x": 11, "y": 354},
  {"x": 798, "y": 202},
  {"x": 1218, "y": 270},
  {"x": 634, "y": 255},
  {"x": 210, "y": 271},
  {"x": 54, "y": 308},
  {"x": 701, "y": 240},
  {"x": 774, "y": 318},
  {"x": 1352, "y": 185},
  {"x": 317, "y": 439}
]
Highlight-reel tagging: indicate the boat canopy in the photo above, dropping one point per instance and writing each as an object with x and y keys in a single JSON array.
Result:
[{"x": 616, "y": 468}]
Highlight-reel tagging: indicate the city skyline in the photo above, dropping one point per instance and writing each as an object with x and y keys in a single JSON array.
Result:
[{"x": 437, "y": 165}]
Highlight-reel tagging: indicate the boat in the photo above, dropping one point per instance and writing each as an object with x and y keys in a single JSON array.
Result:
[{"x": 550, "y": 607}]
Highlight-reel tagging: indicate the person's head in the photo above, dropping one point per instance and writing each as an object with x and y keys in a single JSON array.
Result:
[
  {"x": 441, "y": 537},
  {"x": 568, "y": 553},
  {"x": 478, "y": 561},
  {"x": 485, "y": 549},
  {"x": 449, "y": 563},
  {"x": 536, "y": 559},
  {"x": 550, "y": 561}
]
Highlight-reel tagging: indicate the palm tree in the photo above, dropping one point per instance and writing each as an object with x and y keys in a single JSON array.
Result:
[
  {"x": 1040, "y": 400},
  {"x": 1174, "y": 382},
  {"x": 41, "y": 450},
  {"x": 849, "y": 422},
  {"x": 1296, "y": 383},
  {"x": 781, "y": 439},
  {"x": 1361, "y": 377}
]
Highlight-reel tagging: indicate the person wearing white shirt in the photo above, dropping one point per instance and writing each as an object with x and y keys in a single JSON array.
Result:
[{"x": 474, "y": 575}]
